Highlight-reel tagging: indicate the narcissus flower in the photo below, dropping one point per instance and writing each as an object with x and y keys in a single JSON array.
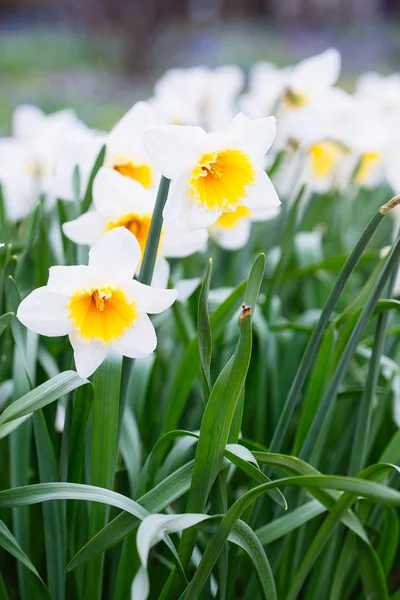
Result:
[
  {"x": 232, "y": 230},
  {"x": 214, "y": 173},
  {"x": 122, "y": 202},
  {"x": 99, "y": 306},
  {"x": 125, "y": 153},
  {"x": 311, "y": 79}
]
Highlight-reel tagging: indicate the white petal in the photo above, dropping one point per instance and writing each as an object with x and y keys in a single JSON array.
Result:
[
  {"x": 172, "y": 148},
  {"x": 150, "y": 300},
  {"x": 178, "y": 242},
  {"x": 126, "y": 136},
  {"x": 200, "y": 218},
  {"x": 186, "y": 287},
  {"x": 20, "y": 195},
  {"x": 161, "y": 273},
  {"x": 67, "y": 280},
  {"x": 86, "y": 229},
  {"x": 232, "y": 238},
  {"x": 262, "y": 195},
  {"x": 258, "y": 137},
  {"x": 45, "y": 312},
  {"x": 266, "y": 215},
  {"x": 178, "y": 197},
  {"x": 115, "y": 195},
  {"x": 116, "y": 254},
  {"x": 139, "y": 341},
  {"x": 26, "y": 120},
  {"x": 318, "y": 72},
  {"x": 88, "y": 356}
]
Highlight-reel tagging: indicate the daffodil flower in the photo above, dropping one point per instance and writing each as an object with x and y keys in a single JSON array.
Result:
[
  {"x": 99, "y": 306},
  {"x": 310, "y": 80},
  {"x": 122, "y": 202},
  {"x": 125, "y": 153},
  {"x": 213, "y": 173},
  {"x": 20, "y": 188},
  {"x": 232, "y": 230}
]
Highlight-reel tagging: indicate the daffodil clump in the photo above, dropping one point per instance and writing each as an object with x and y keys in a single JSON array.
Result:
[{"x": 199, "y": 335}]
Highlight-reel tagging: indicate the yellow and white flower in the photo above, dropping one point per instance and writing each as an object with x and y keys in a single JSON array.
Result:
[
  {"x": 232, "y": 229},
  {"x": 125, "y": 152},
  {"x": 310, "y": 80},
  {"x": 122, "y": 202},
  {"x": 99, "y": 306},
  {"x": 214, "y": 173}
]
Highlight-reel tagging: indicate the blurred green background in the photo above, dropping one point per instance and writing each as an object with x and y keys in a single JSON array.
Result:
[{"x": 100, "y": 56}]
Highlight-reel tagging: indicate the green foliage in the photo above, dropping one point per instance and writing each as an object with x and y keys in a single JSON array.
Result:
[{"x": 264, "y": 437}]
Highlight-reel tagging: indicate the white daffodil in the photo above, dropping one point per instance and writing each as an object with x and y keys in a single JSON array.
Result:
[
  {"x": 266, "y": 84},
  {"x": 382, "y": 92},
  {"x": 216, "y": 172},
  {"x": 232, "y": 229},
  {"x": 125, "y": 152},
  {"x": 75, "y": 153},
  {"x": 198, "y": 96},
  {"x": 122, "y": 202},
  {"x": 310, "y": 80},
  {"x": 28, "y": 158},
  {"x": 18, "y": 178},
  {"x": 99, "y": 306}
]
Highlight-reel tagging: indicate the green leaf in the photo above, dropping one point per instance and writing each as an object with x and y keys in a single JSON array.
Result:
[
  {"x": 389, "y": 541},
  {"x": 5, "y": 320},
  {"x": 284, "y": 525},
  {"x": 189, "y": 366},
  {"x": 10, "y": 544},
  {"x": 150, "y": 532},
  {"x": 219, "y": 412},
  {"x": 42, "y": 395},
  {"x": 372, "y": 575},
  {"x": 107, "y": 381},
  {"x": 54, "y": 524},
  {"x": 244, "y": 536},
  {"x": 204, "y": 331}
]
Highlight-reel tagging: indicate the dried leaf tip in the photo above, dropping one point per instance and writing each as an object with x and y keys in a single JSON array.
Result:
[
  {"x": 389, "y": 205},
  {"x": 246, "y": 310}
]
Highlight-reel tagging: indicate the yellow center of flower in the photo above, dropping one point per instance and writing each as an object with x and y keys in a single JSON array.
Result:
[
  {"x": 292, "y": 99},
  {"x": 324, "y": 157},
  {"x": 368, "y": 161},
  {"x": 141, "y": 173},
  {"x": 229, "y": 220},
  {"x": 219, "y": 180},
  {"x": 139, "y": 225},
  {"x": 103, "y": 314}
]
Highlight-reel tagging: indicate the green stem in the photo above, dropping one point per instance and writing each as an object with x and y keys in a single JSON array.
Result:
[
  {"x": 146, "y": 274},
  {"x": 326, "y": 406},
  {"x": 150, "y": 253},
  {"x": 313, "y": 344}
]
